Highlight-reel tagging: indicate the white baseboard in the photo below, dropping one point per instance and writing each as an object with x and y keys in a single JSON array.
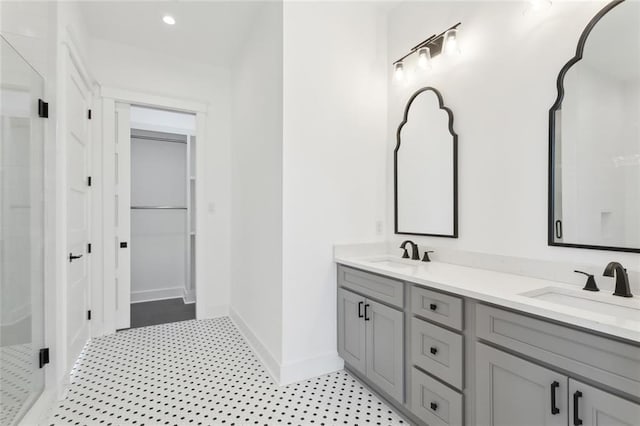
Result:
[
  {"x": 189, "y": 296},
  {"x": 268, "y": 361},
  {"x": 289, "y": 373},
  {"x": 309, "y": 368},
  {"x": 207, "y": 312},
  {"x": 157, "y": 294}
]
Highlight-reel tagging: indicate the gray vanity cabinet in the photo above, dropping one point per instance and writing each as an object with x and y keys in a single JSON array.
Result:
[
  {"x": 370, "y": 340},
  {"x": 593, "y": 407},
  {"x": 385, "y": 348},
  {"x": 351, "y": 329},
  {"x": 513, "y": 392},
  {"x": 445, "y": 360}
]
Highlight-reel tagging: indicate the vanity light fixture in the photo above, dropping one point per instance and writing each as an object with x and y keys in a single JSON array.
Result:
[
  {"x": 398, "y": 69},
  {"x": 169, "y": 20},
  {"x": 450, "y": 44},
  {"x": 424, "y": 57},
  {"x": 445, "y": 42}
]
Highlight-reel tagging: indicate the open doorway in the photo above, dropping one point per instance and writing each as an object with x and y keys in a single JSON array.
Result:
[{"x": 155, "y": 193}]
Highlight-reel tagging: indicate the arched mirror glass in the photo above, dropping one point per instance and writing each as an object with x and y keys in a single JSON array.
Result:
[
  {"x": 425, "y": 168},
  {"x": 594, "y": 188}
]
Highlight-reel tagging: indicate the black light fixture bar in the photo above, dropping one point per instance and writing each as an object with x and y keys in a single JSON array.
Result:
[{"x": 434, "y": 43}]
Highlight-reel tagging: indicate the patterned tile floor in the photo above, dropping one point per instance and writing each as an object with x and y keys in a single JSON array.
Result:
[
  {"x": 16, "y": 365},
  {"x": 203, "y": 373}
]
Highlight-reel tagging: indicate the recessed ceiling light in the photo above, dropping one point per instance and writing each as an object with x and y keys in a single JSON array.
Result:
[{"x": 169, "y": 20}]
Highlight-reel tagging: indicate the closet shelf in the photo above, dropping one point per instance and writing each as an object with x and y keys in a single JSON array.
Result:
[{"x": 158, "y": 208}]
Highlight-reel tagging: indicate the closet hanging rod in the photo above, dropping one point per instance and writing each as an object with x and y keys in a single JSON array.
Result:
[
  {"x": 158, "y": 139},
  {"x": 157, "y": 208}
]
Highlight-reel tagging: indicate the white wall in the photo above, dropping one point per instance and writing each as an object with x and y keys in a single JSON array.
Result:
[
  {"x": 500, "y": 90},
  {"x": 121, "y": 66},
  {"x": 334, "y": 164},
  {"x": 256, "y": 162}
]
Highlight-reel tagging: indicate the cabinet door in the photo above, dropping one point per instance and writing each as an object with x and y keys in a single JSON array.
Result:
[
  {"x": 351, "y": 329},
  {"x": 593, "y": 407},
  {"x": 385, "y": 352},
  {"x": 514, "y": 392}
]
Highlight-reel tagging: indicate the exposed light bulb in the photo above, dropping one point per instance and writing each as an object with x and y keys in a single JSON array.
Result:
[
  {"x": 450, "y": 45},
  {"x": 169, "y": 20},
  {"x": 399, "y": 70},
  {"x": 424, "y": 57}
]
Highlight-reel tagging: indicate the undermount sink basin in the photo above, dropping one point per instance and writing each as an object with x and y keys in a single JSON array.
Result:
[
  {"x": 600, "y": 303},
  {"x": 392, "y": 263}
]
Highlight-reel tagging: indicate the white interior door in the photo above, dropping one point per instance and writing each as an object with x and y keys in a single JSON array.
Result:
[
  {"x": 123, "y": 215},
  {"x": 77, "y": 210}
]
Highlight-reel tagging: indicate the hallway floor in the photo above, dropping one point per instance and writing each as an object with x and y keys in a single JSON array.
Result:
[
  {"x": 203, "y": 373},
  {"x": 157, "y": 312}
]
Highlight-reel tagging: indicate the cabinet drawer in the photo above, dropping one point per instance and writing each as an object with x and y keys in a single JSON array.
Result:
[
  {"x": 375, "y": 286},
  {"x": 437, "y": 351},
  {"x": 433, "y": 402},
  {"x": 437, "y": 307},
  {"x": 607, "y": 361}
]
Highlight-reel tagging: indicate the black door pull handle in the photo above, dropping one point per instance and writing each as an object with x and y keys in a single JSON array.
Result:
[
  {"x": 366, "y": 317},
  {"x": 554, "y": 409},
  {"x": 433, "y": 306},
  {"x": 360, "y": 309},
  {"x": 576, "y": 400},
  {"x": 72, "y": 257},
  {"x": 123, "y": 244},
  {"x": 433, "y": 406},
  {"x": 558, "y": 226},
  {"x": 433, "y": 350}
]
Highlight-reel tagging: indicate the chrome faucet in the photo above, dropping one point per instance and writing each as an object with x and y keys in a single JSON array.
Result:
[
  {"x": 622, "y": 279},
  {"x": 415, "y": 251}
]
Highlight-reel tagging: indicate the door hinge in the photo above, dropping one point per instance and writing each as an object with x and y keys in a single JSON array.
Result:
[
  {"x": 89, "y": 314},
  {"x": 88, "y": 180},
  {"x": 89, "y": 114},
  {"x": 43, "y": 109},
  {"x": 89, "y": 248},
  {"x": 43, "y": 357}
]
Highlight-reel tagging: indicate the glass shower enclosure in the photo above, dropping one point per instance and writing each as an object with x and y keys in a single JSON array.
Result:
[{"x": 21, "y": 235}]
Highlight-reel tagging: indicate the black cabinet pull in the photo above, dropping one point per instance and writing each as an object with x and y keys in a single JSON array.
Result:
[
  {"x": 360, "y": 309},
  {"x": 576, "y": 400},
  {"x": 433, "y": 350},
  {"x": 554, "y": 409},
  {"x": 434, "y": 406},
  {"x": 433, "y": 306},
  {"x": 72, "y": 257},
  {"x": 366, "y": 317},
  {"x": 558, "y": 228}
]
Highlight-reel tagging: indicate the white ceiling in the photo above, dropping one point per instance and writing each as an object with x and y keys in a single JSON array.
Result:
[{"x": 208, "y": 32}]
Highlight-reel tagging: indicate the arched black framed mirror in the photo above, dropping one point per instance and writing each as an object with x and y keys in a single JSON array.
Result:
[
  {"x": 426, "y": 168},
  {"x": 594, "y": 137}
]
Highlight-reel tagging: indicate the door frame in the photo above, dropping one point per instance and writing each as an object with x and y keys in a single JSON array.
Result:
[{"x": 109, "y": 96}]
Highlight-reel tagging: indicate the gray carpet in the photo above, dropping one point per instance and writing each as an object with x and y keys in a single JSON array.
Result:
[{"x": 161, "y": 312}]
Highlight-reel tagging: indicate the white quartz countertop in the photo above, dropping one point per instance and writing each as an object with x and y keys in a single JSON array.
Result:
[{"x": 510, "y": 291}]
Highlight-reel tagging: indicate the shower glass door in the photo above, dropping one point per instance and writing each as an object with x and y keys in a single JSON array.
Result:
[{"x": 21, "y": 235}]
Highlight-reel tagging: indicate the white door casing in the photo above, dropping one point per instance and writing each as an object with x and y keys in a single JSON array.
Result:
[
  {"x": 122, "y": 220},
  {"x": 77, "y": 172},
  {"x": 112, "y": 125}
]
